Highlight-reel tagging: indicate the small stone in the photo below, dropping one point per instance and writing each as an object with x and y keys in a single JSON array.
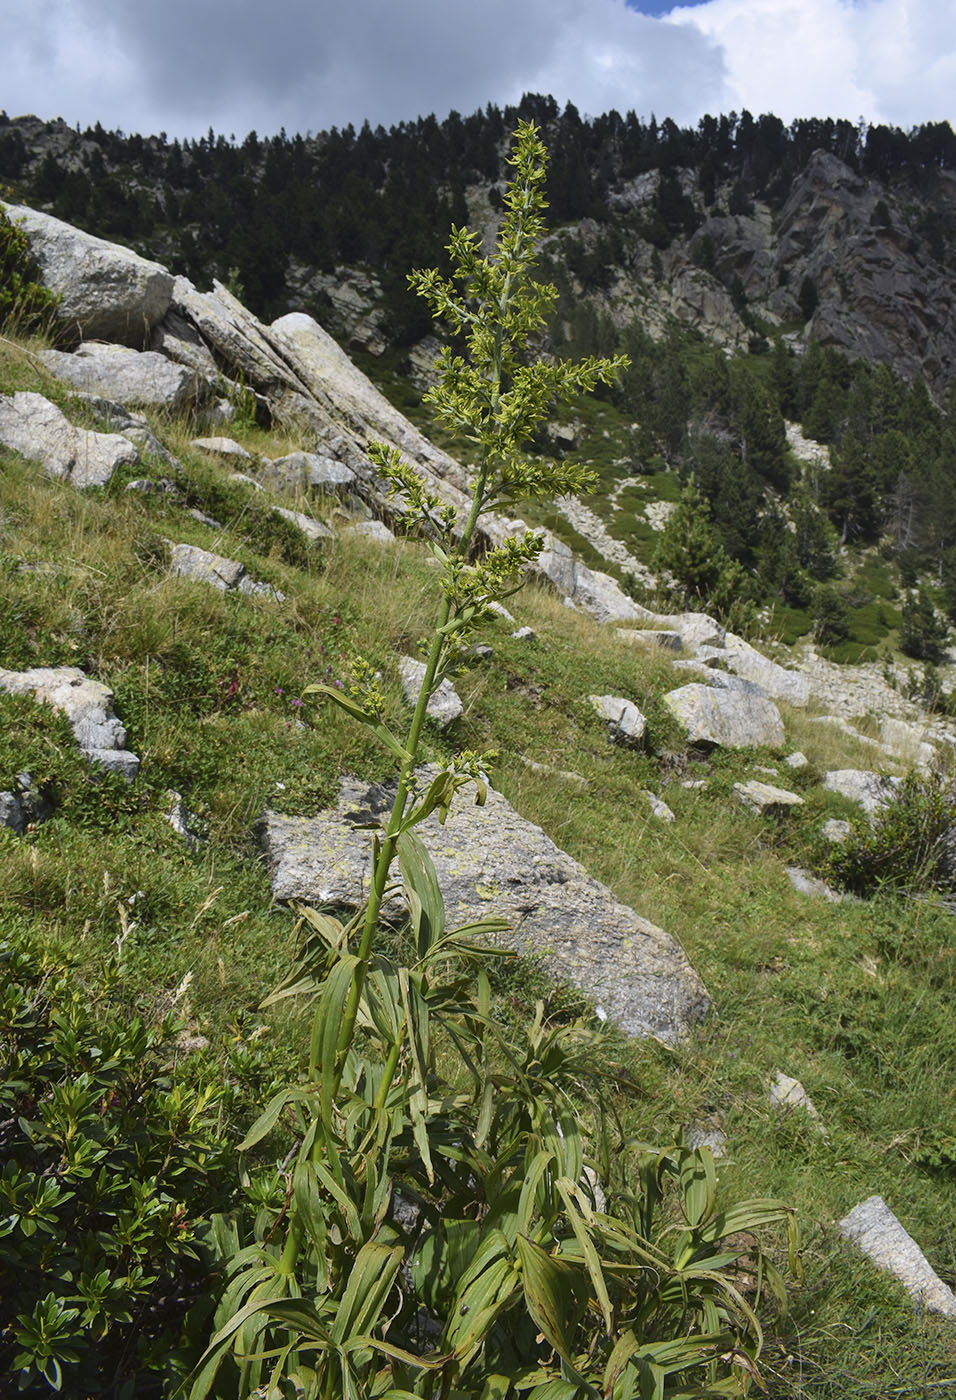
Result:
[
  {"x": 372, "y": 530},
  {"x": 11, "y": 813},
  {"x": 796, "y": 761},
  {"x": 805, "y": 883},
  {"x": 874, "y": 1229},
  {"x": 501, "y": 611},
  {"x": 189, "y": 561},
  {"x": 836, "y": 830},
  {"x": 524, "y": 634},
  {"x": 180, "y": 819},
  {"x": 626, "y": 724},
  {"x": 789, "y": 1093},
  {"x": 313, "y": 529},
  {"x": 705, "y": 1135},
  {"x": 88, "y": 705},
  {"x": 445, "y": 705},
  {"x": 119, "y": 761},
  {"x": 241, "y": 479},
  {"x": 658, "y": 808},
  {"x": 694, "y": 784},
  {"x": 221, "y": 447},
  {"x": 765, "y": 799},
  {"x": 255, "y": 588},
  {"x": 571, "y": 779},
  {"x": 150, "y": 486}
]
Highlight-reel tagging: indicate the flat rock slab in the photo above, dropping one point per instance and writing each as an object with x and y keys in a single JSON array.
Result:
[
  {"x": 33, "y": 426},
  {"x": 765, "y": 798},
  {"x": 375, "y": 530},
  {"x": 732, "y": 719},
  {"x": 669, "y": 641},
  {"x": 313, "y": 529},
  {"x": 491, "y": 861},
  {"x": 874, "y": 1228},
  {"x": 221, "y": 447},
  {"x": 87, "y": 704},
  {"x": 303, "y": 471},
  {"x": 137, "y": 378},
  {"x": 106, "y": 291}
]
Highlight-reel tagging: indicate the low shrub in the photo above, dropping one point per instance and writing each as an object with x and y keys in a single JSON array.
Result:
[
  {"x": 110, "y": 1163},
  {"x": 910, "y": 845}
]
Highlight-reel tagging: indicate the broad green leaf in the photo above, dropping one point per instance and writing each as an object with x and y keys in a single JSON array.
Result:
[
  {"x": 698, "y": 1183},
  {"x": 529, "y": 1189},
  {"x": 270, "y": 1115},
  {"x": 368, "y": 1287},
  {"x": 568, "y": 1191},
  {"x": 549, "y": 1294},
  {"x": 418, "y": 873},
  {"x": 327, "y": 1027}
]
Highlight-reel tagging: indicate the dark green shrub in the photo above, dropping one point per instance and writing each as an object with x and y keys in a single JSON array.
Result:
[
  {"x": 23, "y": 298},
  {"x": 109, "y": 1165},
  {"x": 911, "y": 844},
  {"x": 923, "y": 632}
]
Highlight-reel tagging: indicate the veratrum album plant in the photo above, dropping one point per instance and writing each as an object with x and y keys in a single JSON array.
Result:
[{"x": 452, "y": 1226}]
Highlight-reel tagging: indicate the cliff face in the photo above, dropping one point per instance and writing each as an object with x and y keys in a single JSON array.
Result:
[
  {"x": 857, "y": 263},
  {"x": 881, "y": 294}
]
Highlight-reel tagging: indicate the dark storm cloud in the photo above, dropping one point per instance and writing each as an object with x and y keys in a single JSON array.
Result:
[{"x": 234, "y": 64}]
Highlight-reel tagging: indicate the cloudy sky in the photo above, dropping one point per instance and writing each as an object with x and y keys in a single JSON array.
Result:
[{"x": 181, "y": 66}]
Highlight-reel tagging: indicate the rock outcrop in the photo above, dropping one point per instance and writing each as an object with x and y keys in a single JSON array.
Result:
[
  {"x": 107, "y": 292},
  {"x": 490, "y": 861},
  {"x": 133, "y": 378}
]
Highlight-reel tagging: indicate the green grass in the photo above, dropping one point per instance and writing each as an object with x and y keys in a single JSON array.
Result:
[{"x": 854, "y": 1000}]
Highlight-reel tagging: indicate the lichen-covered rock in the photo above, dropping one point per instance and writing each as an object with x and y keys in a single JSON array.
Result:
[
  {"x": 652, "y": 637},
  {"x": 733, "y": 719},
  {"x": 304, "y": 471},
  {"x": 221, "y": 447},
  {"x": 491, "y": 861},
  {"x": 228, "y": 575},
  {"x": 107, "y": 292},
  {"x": 371, "y": 530},
  {"x": 779, "y": 682},
  {"x": 34, "y": 427},
  {"x": 313, "y": 529},
  {"x": 789, "y": 1093}
]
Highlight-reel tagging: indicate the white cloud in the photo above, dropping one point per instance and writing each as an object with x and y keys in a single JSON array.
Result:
[
  {"x": 306, "y": 64},
  {"x": 887, "y": 60}
]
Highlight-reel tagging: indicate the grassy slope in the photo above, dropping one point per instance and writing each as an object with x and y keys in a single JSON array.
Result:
[{"x": 855, "y": 1001}]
